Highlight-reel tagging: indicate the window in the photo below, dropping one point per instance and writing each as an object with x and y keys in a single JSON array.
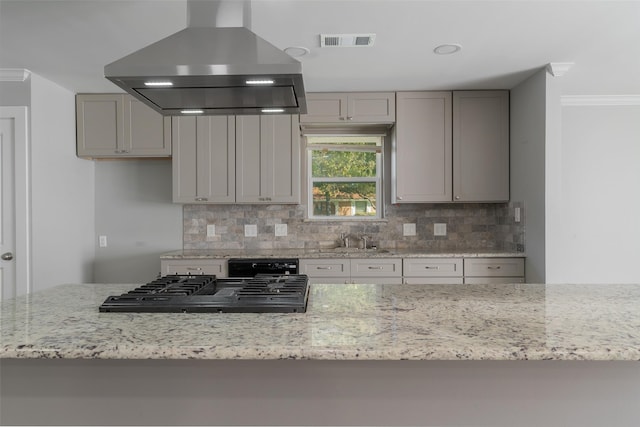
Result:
[{"x": 344, "y": 176}]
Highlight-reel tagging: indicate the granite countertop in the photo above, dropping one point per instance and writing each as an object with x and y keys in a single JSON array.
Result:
[
  {"x": 348, "y": 322},
  {"x": 334, "y": 253}
]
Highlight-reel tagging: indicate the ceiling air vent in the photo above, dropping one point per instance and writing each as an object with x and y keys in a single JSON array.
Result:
[{"x": 347, "y": 40}]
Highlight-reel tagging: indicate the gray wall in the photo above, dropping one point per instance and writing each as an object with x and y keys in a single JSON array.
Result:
[
  {"x": 528, "y": 138},
  {"x": 62, "y": 215},
  {"x": 134, "y": 210},
  {"x": 597, "y": 185},
  {"x": 61, "y": 190}
]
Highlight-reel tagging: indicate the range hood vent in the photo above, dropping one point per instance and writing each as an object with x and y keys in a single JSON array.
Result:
[{"x": 212, "y": 71}]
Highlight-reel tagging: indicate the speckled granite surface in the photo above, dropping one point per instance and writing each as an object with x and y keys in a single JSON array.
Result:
[
  {"x": 375, "y": 322},
  {"x": 332, "y": 253}
]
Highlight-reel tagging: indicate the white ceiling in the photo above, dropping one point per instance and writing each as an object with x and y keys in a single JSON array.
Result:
[{"x": 70, "y": 41}]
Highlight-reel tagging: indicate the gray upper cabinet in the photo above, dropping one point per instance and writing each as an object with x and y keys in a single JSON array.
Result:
[
  {"x": 236, "y": 159},
  {"x": 118, "y": 125},
  {"x": 451, "y": 147},
  {"x": 421, "y": 148},
  {"x": 203, "y": 159},
  {"x": 268, "y": 159},
  {"x": 350, "y": 107},
  {"x": 481, "y": 146}
]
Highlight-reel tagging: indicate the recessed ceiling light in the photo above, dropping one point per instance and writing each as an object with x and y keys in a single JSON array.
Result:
[
  {"x": 296, "y": 51},
  {"x": 447, "y": 49}
]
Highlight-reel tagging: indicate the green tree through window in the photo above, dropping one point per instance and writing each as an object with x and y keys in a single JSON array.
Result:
[{"x": 345, "y": 176}]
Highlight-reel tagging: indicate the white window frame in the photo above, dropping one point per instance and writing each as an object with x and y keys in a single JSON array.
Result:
[{"x": 378, "y": 179}]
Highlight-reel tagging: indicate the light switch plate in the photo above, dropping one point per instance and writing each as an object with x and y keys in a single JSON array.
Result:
[
  {"x": 103, "y": 241},
  {"x": 211, "y": 230},
  {"x": 516, "y": 214},
  {"x": 251, "y": 230},
  {"x": 281, "y": 230},
  {"x": 409, "y": 229},
  {"x": 439, "y": 229}
]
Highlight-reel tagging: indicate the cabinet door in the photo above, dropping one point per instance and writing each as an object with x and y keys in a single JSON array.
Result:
[
  {"x": 267, "y": 159},
  {"x": 374, "y": 107},
  {"x": 99, "y": 125},
  {"x": 116, "y": 125},
  {"x": 147, "y": 132},
  {"x": 481, "y": 146},
  {"x": 325, "y": 108},
  {"x": 203, "y": 159},
  {"x": 421, "y": 148}
]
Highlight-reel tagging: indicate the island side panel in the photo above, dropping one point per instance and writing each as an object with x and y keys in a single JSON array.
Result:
[{"x": 312, "y": 392}]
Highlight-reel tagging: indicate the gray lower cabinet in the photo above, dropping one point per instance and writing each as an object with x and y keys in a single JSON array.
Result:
[
  {"x": 350, "y": 107},
  {"x": 493, "y": 270},
  {"x": 344, "y": 271},
  {"x": 432, "y": 271},
  {"x": 236, "y": 159},
  {"x": 194, "y": 266},
  {"x": 118, "y": 125},
  {"x": 326, "y": 270},
  {"x": 451, "y": 147}
]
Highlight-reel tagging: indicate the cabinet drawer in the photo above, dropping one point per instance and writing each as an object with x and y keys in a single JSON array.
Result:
[
  {"x": 325, "y": 267},
  {"x": 376, "y": 267},
  {"x": 195, "y": 267},
  {"x": 434, "y": 267},
  {"x": 493, "y": 267}
]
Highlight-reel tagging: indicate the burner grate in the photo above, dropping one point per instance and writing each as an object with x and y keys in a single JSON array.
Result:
[{"x": 178, "y": 293}]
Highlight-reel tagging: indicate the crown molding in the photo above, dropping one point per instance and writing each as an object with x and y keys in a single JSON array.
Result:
[
  {"x": 602, "y": 100},
  {"x": 558, "y": 69},
  {"x": 14, "y": 74}
]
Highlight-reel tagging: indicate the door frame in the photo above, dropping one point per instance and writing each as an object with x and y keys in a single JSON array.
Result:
[{"x": 22, "y": 183}]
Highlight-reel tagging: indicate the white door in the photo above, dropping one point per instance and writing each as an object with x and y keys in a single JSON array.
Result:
[
  {"x": 7, "y": 210},
  {"x": 14, "y": 218}
]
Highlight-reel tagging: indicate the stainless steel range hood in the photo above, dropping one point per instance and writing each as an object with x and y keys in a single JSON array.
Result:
[{"x": 210, "y": 71}]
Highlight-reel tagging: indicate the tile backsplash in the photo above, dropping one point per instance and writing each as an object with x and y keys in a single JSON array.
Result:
[{"x": 472, "y": 226}]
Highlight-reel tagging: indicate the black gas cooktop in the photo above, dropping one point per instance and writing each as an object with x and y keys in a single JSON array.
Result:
[{"x": 264, "y": 293}]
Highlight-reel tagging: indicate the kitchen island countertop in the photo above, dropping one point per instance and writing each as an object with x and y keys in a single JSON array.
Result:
[{"x": 343, "y": 322}]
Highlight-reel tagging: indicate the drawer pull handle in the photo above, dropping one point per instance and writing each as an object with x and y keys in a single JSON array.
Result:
[
  {"x": 494, "y": 268},
  {"x": 323, "y": 268},
  {"x": 432, "y": 268},
  {"x": 194, "y": 268},
  {"x": 371, "y": 267}
]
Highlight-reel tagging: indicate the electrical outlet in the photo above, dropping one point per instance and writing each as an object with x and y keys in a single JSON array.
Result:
[
  {"x": 102, "y": 241},
  {"x": 439, "y": 229},
  {"x": 281, "y": 230},
  {"x": 409, "y": 229},
  {"x": 211, "y": 230},
  {"x": 251, "y": 230}
]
